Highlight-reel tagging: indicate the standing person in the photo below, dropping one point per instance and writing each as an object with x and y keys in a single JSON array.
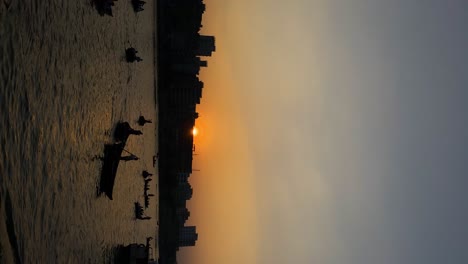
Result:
[{"x": 142, "y": 121}]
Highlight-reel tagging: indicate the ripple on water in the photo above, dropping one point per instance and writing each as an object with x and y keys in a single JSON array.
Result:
[{"x": 64, "y": 86}]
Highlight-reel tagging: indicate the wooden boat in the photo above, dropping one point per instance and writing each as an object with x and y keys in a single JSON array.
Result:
[
  {"x": 112, "y": 154},
  {"x": 112, "y": 157}
]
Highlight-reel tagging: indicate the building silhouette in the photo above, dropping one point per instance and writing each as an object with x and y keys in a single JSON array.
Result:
[
  {"x": 187, "y": 236},
  {"x": 206, "y": 45},
  {"x": 180, "y": 48},
  {"x": 182, "y": 215}
]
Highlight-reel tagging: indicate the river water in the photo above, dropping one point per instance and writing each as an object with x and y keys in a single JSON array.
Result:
[{"x": 64, "y": 86}]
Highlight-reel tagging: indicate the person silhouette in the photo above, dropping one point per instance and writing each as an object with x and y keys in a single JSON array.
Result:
[
  {"x": 142, "y": 121},
  {"x": 146, "y": 174}
]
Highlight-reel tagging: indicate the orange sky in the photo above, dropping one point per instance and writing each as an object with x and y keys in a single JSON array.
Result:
[{"x": 223, "y": 203}]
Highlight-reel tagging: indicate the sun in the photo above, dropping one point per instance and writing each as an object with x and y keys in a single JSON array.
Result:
[{"x": 195, "y": 131}]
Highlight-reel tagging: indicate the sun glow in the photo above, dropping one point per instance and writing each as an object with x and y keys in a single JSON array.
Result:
[{"x": 195, "y": 131}]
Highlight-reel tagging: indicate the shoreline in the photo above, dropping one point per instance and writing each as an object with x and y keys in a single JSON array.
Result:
[{"x": 156, "y": 250}]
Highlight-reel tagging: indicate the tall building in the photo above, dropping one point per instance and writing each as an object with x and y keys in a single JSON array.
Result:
[
  {"x": 182, "y": 178},
  {"x": 206, "y": 45},
  {"x": 182, "y": 215},
  {"x": 188, "y": 65},
  {"x": 184, "y": 92},
  {"x": 187, "y": 236},
  {"x": 184, "y": 192}
]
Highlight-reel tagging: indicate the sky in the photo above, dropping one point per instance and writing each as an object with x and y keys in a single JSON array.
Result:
[{"x": 332, "y": 131}]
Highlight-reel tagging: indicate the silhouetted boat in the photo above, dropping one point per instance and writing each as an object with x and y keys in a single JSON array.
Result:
[
  {"x": 140, "y": 253},
  {"x": 138, "y": 5},
  {"x": 131, "y": 55},
  {"x": 112, "y": 155},
  {"x": 104, "y": 7},
  {"x": 138, "y": 210}
]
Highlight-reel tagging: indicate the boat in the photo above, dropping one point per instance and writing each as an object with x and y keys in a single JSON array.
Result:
[
  {"x": 112, "y": 157},
  {"x": 140, "y": 253},
  {"x": 112, "y": 154},
  {"x": 104, "y": 7},
  {"x": 138, "y": 5},
  {"x": 138, "y": 210}
]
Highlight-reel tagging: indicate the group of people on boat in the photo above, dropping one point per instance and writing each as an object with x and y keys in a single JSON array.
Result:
[
  {"x": 104, "y": 7},
  {"x": 131, "y": 55},
  {"x": 123, "y": 130},
  {"x": 121, "y": 134},
  {"x": 146, "y": 175},
  {"x": 140, "y": 212}
]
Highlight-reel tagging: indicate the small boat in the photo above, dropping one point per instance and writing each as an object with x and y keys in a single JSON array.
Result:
[
  {"x": 138, "y": 5},
  {"x": 131, "y": 55},
  {"x": 138, "y": 210},
  {"x": 104, "y": 7},
  {"x": 140, "y": 253}
]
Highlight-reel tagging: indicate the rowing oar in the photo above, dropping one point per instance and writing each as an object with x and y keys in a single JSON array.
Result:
[{"x": 129, "y": 152}]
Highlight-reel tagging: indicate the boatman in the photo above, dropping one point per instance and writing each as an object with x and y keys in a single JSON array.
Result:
[
  {"x": 146, "y": 174},
  {"x": 142, "y": 121}
]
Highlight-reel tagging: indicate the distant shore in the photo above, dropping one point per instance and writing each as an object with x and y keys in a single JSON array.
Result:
[{"x": 155, "y": 57}]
